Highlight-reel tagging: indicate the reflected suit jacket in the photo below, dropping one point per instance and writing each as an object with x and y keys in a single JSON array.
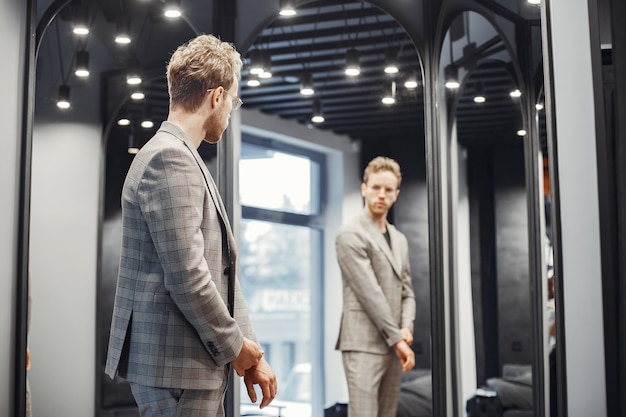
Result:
[
  {"x": 378, "y": 298},
  {"x": 171, "y": 324}
]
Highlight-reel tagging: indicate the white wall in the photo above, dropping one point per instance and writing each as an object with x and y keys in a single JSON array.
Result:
[
  {"x": 63, "y": 254},
  {"x": 12, "y": 72},
  {"x": 576, "y": 136}
]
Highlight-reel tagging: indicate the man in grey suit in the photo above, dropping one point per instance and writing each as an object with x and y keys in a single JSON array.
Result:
[
  {"x": 179, "y": 319},
  {"x": 378, "y": 300}
]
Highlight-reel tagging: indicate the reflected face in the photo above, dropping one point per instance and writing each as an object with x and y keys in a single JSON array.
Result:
[
  {"x": 217, "y": 121},
  {"x": 380, "y": 192}
]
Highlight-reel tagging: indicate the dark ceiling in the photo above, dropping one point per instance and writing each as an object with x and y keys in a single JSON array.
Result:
[{"x": 315, "y": 41}]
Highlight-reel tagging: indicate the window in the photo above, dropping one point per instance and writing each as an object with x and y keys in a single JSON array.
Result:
[{"x": 281, "y": 263}]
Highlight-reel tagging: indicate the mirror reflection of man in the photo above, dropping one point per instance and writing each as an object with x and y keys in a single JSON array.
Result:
[{"x": 378, "y": 300}]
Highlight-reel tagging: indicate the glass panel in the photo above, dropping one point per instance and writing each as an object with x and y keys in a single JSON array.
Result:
[
  {"x": 275, "y": 180},
  {"x": 279, "y": 265}
]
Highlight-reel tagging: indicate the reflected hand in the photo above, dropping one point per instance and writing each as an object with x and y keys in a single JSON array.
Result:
[
  {"x": 27, "y": 359},
  {"x": 407, "y": 336},
  {"x": 249, "y": 356},
  {"x": 406, "y": 356},
  {"x": 263, "y": 376}
]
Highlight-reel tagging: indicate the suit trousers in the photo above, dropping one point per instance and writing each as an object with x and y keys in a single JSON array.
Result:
[
  {"x": 176, "y": 402},
  {"x": 373, "y": 383}
]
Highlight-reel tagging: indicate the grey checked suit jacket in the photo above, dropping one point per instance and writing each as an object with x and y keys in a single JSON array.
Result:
[
  {"x": 378, "y": 298},
  {"x": 171, "y": 323}
]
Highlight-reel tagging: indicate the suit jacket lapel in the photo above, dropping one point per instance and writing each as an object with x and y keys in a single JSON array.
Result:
[{"x": 380, "y": 240}]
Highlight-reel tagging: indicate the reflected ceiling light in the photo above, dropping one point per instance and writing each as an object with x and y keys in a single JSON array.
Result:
[
  {"x": 534, "y": 1},
  {"x": 539, "y": 106},
  {"x": 451, "y": 74},
  {"x": 521, "y": 132},
  {"x": 123, "y": 121},
  {"x": 256, "y": 61},
  {"x": 133, "y": 76},
  {"x": 122, "y": 30},
  {"x": 63, "y": 101},
  {"x": 132, "y": 149},
  {"x": 515, "y": 93},
  {"x": 82, "y": 64},
  {"x": 353, "y": 67},
  {"x": 479, "y": 95},
  {"x": 80, "y": 27},
  {"x": 137, "y": 95},
  {"x": 306, "y": 85},
  {"x": 390, "y": 94},
  {"x": 287, "y": 8},
  {"x": 411, "y": 81},
  {"x": 253, "y": 81},
  {"x": 260, "y": 64},
  {"x": 172, "y": 9},
  {"x": 318, "y": 116},
  {"x": 391, "y": 62},
  {"x": 147, "y": 124}
]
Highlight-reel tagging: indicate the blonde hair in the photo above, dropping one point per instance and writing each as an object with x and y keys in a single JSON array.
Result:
[
  {"x": 382, "y": 163},
  {"x": 202, "y": 63}
]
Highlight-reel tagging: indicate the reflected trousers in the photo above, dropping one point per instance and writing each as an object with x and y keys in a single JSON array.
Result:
[{"x": 373, "y": 383}]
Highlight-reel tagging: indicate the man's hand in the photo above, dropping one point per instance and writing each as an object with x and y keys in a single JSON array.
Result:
[
  {"x": 407, "y": 335},
  {"x": 406, "y": 356},
  {"x": 263, "y": 376},
  {"x": 249, "y": 356}
]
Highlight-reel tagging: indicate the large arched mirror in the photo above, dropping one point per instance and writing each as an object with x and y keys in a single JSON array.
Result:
[
  {"x": 84, "y": 152},
  {"x": 497, "y": 312}
]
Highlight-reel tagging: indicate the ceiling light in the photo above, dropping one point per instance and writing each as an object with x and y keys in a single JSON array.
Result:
[
  {"x": 253, "y": 81},
  {"x": 515, "y": 93},
  {"x": 63, "y": 101},
  {"x": 479, "y": 95},
  {"x": 287, "y": 8},
  {"x": 318, "y": 116},
  {"x": 147, "y": 124},
  {"x": 122, "y": 30},
  {"x": 534, "y": 1},
  {"x": 391, "y": 62},
  {"x": 80, "y": 27},
  {"x": 172, "y": 9},
  {"x": 521, "y": 132},
  {"x": 411, "y": 82},
  {"x": 82, "y": 64},
  {"x": 306, "y": 85},
  {"x": 261, "y": 64},
  {"x": 352, "y": 63},
  {"x": 123, "y": 121},
  {"x": 137, "y": 95},
  {"x": 451, "y": 74},
  {"x": 132, "y": 149},
  {"x": 256, "y": 61},
  {"x": 539, "y": 106},
  {"x": 133, "y": 76},
  {"x": 390, "y": 94}
]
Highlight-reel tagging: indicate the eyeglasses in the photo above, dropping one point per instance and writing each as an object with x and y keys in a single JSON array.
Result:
[{"x": 237, "y": 102}]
